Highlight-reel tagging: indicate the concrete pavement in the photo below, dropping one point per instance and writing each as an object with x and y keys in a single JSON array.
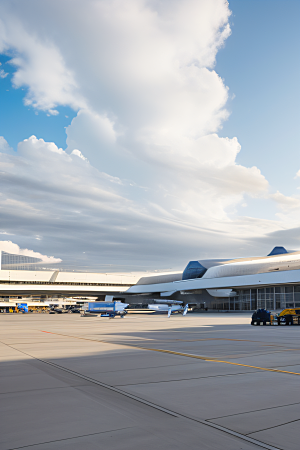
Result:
[{"x": 71, "y": 382}]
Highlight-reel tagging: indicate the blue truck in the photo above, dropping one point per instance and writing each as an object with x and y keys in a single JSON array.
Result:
[
  {"x": 105, "y": 309},
  {"x": 22, "y": 307}
]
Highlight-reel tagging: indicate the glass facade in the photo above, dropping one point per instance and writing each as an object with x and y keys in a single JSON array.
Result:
[
  {"x": 10, "y": 261},
  {"x": 270, "y": 298}
]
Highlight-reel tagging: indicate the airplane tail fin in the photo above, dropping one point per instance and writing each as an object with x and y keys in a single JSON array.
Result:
[{"x": 185, "y": 309}]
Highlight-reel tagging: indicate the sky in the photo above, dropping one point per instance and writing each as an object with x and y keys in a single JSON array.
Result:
[{"x": 139, "y": 135}]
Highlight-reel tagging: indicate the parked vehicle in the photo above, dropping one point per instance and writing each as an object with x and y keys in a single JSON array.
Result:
[
  {"x": 288, "y": 316},
  {"x": 105, "y": 309}
]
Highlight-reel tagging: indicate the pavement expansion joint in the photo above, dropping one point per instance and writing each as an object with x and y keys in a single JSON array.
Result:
[
  {"x": 70, "y": 438},
  {"x": 254, "y": 410},
  {"x": 204, "y": 358},
  {"x": 152, "y": 405},
  {"x": 41, "y": 389},
  {"x": 99, "y": 383},
  {"x": 275, "y": 426},
  {"x": 191, "y": 378}
]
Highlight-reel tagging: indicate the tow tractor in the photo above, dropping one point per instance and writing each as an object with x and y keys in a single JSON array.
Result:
[{"x": 289, "y": 316}]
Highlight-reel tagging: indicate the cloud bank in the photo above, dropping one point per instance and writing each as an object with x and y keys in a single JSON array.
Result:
[{"x": 144, "y": 180}]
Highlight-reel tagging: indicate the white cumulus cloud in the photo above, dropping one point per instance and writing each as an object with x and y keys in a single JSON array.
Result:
[{"x": 144, "y": 171}]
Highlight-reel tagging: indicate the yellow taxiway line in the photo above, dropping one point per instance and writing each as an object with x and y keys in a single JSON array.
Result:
[{"x": 171, "y": 352}]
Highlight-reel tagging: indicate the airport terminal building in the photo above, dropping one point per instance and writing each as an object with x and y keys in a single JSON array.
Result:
[
  {"x": 270, "y": 298},
  {"x": 271, "y": 282}
]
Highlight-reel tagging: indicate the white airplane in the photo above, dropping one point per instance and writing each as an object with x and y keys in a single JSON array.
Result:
[{"x": 169, "y": 306}]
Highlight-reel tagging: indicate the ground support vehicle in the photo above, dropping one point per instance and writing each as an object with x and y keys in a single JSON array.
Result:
[
  {"x": 55, "y": 310},
  {"x": 285, "y": 317},
  {"x": 105, "y": 309},
  {"x": 289, "y": 317},
  {"x": 261, "y": 316}
]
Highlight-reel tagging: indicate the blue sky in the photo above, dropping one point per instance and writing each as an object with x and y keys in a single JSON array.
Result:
[
  {"x": 18, "y": 122},
  {"x": 152, "y": 174},
  {"x": 260, "y": 63}
]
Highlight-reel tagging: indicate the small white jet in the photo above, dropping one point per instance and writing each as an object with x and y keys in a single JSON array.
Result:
[{"x": 169, "y": 306}]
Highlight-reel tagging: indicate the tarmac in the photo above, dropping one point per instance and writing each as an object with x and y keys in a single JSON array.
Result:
[{"x": 203, "y": 381}]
